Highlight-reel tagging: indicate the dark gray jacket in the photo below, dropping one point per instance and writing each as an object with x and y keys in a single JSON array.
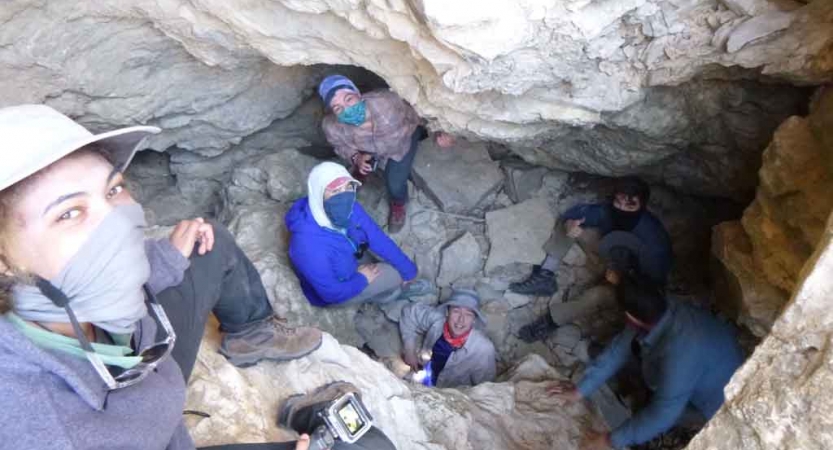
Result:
[
  {"x": 472, "y": 364},
  {"x": 52, "y": 400}
]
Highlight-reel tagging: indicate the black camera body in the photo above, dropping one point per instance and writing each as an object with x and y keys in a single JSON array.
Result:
[{"x": 345, "y": 419}]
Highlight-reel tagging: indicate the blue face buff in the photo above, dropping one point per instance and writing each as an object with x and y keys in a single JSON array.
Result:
[
  {"x": 339, "y": 208},
  {"x": 353, "y": 115}
]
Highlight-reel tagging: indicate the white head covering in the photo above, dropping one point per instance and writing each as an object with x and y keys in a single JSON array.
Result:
[{"x": 320, "y": 176}]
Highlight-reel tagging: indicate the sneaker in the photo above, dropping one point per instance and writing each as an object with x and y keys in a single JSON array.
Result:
[
  {"x": 415, "y": 288},
  {"x": 269, "y": 339},
  {"x": 538, "y": 329},
  {"x": 540, "y": 282},
  {"x": 299, "y": 412},
  {"x": 396, "y": 218}
]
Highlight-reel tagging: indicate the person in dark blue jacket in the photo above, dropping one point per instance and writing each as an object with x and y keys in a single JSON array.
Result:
[
  {"x": 332, "y": 237},
  {"x": 625, "y": 225},
  {"x": 686, "y": 354}
]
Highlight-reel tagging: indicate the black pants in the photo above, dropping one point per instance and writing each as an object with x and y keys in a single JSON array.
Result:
[{"x": 225, "y": 282}]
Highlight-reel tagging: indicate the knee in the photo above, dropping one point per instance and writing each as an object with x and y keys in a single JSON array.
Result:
[{"x": 222, "y": 236}]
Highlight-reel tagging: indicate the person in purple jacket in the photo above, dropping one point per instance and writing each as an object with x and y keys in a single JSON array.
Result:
[
  {"x": 335, "y": 246},
  {"x": 99, "y": 329}
]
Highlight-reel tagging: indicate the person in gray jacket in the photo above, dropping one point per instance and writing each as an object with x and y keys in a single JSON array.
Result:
[
  {"x": 99, "y": 329},
  {"x": 461, "y": 354}
]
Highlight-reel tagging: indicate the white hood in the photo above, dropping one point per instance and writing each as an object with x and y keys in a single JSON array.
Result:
[{"x": 320, "y": 176}]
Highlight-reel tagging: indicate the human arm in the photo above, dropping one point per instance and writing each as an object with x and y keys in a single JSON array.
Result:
[
  {"x": 416, "y": 319},
  {"x": 167, "y": 265},
  {"x": 615, "y": 355},
  {"x": 676, "y": 384},
  {"x": 340, "y": 144},
  {"x": 591, "y": 214},
  {"x": 383, "y": 246}
]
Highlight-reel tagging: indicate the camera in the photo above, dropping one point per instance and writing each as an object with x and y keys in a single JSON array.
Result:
[
  {"x": 374, "y": 163},
  {"x": 345, "y": 418}
]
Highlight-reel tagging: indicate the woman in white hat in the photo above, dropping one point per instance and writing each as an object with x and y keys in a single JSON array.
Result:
[{"x": 91, "y": 312}]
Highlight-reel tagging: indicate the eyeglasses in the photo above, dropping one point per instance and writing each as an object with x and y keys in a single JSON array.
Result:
[{"x": 116, "y": 377}]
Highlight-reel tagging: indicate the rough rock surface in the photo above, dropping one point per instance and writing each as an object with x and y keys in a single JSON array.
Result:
[
  {"x": 460, "y": 259},
  {"x": 518, "y": 233},
  {"x": 458, "y": 179},
  {"x": 763, "y": 256},
  {"x": 509, "y": 415},
  {"x": 780, "y": 398},
  {"x": 599, "y": 86}
]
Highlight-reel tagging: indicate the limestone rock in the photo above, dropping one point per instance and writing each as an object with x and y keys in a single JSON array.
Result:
[
  {"x": 510, "y": 415},
  {"x": 460, "y": 258},
  {"x": 518, "y": 233},
  {"x": 516, "y": 300},
  {"x": 282, "y": 176},
  {"x": 779, "y": 398},
  {"x": 441, "y": 174},
  {"x": 757, "y": 28},
  {"x": 783, "y": 225},
  {"x": 534, "y": 78}
]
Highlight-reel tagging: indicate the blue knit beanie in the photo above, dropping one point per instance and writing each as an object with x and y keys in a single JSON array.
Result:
[{"x": 330, "y": 85}]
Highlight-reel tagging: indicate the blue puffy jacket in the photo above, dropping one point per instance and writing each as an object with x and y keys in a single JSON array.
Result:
[
  {"x": 649, "y": 229},
  {"x": 324, "y": 259}
]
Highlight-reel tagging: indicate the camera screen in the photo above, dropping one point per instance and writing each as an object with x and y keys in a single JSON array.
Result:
[{"x": 351, "y": 418}]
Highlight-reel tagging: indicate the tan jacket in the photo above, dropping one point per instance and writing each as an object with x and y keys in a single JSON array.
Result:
[
  {"x": 472, "y": 364},
  {"x": 394, "y": 121}
]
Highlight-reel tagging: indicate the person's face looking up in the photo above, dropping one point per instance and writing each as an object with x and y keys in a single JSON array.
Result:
[
  {"x": 343, "y": 99},
  {"x": 346, "y": 187},
  {"x": 625, "y": 202},
  {"x": 54, "y": 213},
  {"x": 460, "y": 320}
]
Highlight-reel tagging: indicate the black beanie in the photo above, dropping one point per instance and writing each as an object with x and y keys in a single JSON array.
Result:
[
  {"x": 633, "y": 187},
  {"x": 642, "y": 298}
]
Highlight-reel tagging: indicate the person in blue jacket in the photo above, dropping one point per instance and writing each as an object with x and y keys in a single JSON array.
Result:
[
  {"x": 625, "y": 226},
  {"x": 331, "y": 244},
  {"x": 687, "y": 357}
]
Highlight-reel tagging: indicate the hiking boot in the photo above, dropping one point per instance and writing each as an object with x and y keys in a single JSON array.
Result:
[
  {"x": 269, "y": 339},
  {"x": 396, "y": 218},
  {"x": 540, "y": 282},
  {"x": 415, "y": 288},
  {"x": 299, "y": 412},
  {"x": 538, "y": 329}
]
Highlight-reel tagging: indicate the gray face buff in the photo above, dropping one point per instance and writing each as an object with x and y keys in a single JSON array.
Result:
[{"x": 103, "y": 281}]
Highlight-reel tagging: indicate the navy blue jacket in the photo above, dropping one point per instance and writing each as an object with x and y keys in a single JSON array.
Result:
[
  {"x": 649, "y": 229},
  {"x": 324, "y": 259},
  {"x": 688, "y": 357}
]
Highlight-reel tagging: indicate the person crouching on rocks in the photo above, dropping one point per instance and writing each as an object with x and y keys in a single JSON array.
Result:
[
  {"x": 460, "y": 353},
  {"x": 100, "y": 328},
  {"x": 331, "y": 244},
  {"x": 377, "y": 125}
]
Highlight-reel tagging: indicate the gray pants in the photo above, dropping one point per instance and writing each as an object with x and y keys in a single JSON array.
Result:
[{"x": 385, "y": 288}]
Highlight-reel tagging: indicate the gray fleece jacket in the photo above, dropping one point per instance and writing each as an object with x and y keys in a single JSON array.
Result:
[
  {"x": 52, "y": 400},
  {"x": 472, "y": 364}
]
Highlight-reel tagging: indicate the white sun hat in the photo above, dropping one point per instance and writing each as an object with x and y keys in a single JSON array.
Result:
[{"x": 34, "y": 136}]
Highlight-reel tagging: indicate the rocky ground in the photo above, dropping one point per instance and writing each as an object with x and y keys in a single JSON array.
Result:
[{"x": 477, "y": 219}]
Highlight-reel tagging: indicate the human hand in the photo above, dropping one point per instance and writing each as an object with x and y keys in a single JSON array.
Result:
[
  {"x": 613, "y": 277},
  {"x": 564, "y": 390},
  {"x": 370, "y": 271},
  {"x": 410, "y": 358},
  {"x": 444, "y": 140},
  {"x": 573, "y": 227},
  {"x": 302, "y": 443},
  {"x": 188, "y": 233},
  {"x": 362, "y": 162},
  {"x": 595, "y": 441}
]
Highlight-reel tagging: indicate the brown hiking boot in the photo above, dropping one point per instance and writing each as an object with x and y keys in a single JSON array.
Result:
[
  {"x": 396, "y": 218},
  {"x": 270, "y": 339}
]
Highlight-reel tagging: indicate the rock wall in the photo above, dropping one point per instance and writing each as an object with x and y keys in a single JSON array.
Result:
[
  {"x": 668, "y": 88},
  {"x": 761, "y": 257},
  {"x": 514, "y": 414},
  {"x": 780, "y": 399}
]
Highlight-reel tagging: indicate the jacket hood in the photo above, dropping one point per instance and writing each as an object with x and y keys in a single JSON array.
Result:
[{"x": 320, "y": 176}]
